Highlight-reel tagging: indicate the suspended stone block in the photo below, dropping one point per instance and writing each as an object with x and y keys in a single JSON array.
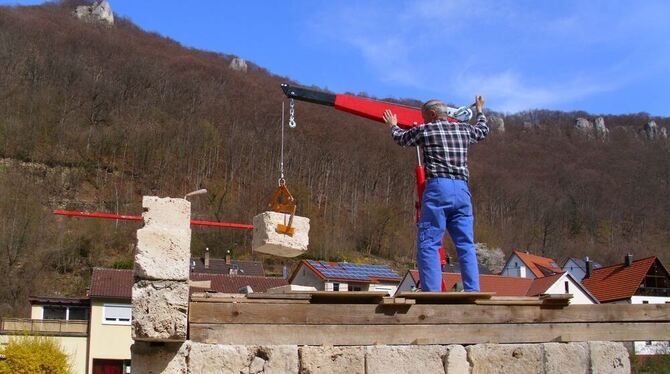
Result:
[{"x": 268, "y": 240}]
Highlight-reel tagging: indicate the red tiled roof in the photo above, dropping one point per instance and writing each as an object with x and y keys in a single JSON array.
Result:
[
  {"x": 536, "y": 264},
  {"x": 118, "y": 284},
  {"x": 233, "y": 283},
  {"x": 111, "y": 283},
  {"x": 541, "y": 285},
  {"x": 618, "y": 282},
  {"x": 501, "y": 285}
]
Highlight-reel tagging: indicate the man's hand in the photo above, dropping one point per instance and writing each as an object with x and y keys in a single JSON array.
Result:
[
  {"x": 390, "y": 118},
  {"x": 479, "y": 103}
]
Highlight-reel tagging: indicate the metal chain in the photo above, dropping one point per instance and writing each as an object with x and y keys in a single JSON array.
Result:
[
  {"x": 291, "y": 114},
  {"x": 282, "y": 181}
]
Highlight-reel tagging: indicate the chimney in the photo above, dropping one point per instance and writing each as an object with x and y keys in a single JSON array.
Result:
[
  {"x": 228, "y": 261},
  {"x": 628, "y": 260},
  {"x": 206, "y": 258},
  {"x": 589, "y": 267}
]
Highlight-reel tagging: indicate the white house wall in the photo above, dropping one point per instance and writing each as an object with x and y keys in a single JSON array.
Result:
[
  {"x": 406, "y": 284},
  {"x": 516, "y": 268},
  {"x": 656, "y": 347},
  {"x": 578, "y": 295},
  {"x": 574, "y": 270},
  {"x": 306, "y": 277},
  {"x": 390, "y": 288}
]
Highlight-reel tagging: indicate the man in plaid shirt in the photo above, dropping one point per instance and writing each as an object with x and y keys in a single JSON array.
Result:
[{"x": 446, "y": 200}]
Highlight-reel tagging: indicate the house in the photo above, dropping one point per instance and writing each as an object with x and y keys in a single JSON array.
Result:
[
  {"x": 110, "y": 293},
  {"x": 96, "y": 330},
  {"x": 644, "y": 281},
  {"x": 63, "y": 319},
  {"x": 345, "y": 276},
  {"x": 229, "y": 266},
  {"x": 525, "y": 265},
  {"x": 577, "y": 266},
  {"x": 560, "y": 283}
]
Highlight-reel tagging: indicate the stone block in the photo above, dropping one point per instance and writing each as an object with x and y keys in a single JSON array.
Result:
[
  {"x": 219, "y": 358},
  {"x": 332, "y": 360},
  {"x": 160, "y": 310},
  {"x": 162, "y": 254},
  {"x": 505, "y": 358},
  {"x": 562, "y": 358},
  {"x": 267, "y": 240},
  {"x": 166, "y": 213},
  {"x": 408, "y": 359},
  {"x": 167, "y": 358},
  {"x": 456, "y": 360},
  {"x": 609, "y": 357}
]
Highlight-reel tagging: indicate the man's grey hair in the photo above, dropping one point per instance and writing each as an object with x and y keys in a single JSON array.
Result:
[{"x": 435, "y": 105}]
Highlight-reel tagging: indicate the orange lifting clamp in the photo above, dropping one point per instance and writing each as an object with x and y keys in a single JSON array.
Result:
[{"x": 283, "y": 202}]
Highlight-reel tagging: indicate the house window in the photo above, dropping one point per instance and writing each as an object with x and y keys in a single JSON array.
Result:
[
  {"x": 54, "y": 312},
  {"x": 336, "y": 286},
  {"x": 567, "y": 287},
  {"x": 645, "y": 301},
  {"x": 354, "y": 288},
  {"x": 116, "y": 314},
  {"x": 79, "y": 313}
]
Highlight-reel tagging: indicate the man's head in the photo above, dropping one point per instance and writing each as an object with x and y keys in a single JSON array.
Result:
[{"x": 432, "y": 110}]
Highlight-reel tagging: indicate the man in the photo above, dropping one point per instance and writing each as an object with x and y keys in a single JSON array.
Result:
[{"x": 446, "y": 202}]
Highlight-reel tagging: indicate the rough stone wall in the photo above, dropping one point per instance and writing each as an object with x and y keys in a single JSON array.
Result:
[
  {"x": 547, "y": 358},
  {"x": 160, "y": 292}
]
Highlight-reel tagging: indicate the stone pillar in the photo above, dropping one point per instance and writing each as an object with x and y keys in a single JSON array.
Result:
[{"x": 160, "y": 292}]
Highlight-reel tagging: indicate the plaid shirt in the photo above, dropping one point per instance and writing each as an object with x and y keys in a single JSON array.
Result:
[{"x": 445, "y": 145}]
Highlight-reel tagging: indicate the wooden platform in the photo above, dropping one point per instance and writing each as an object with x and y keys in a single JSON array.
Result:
[{"x": 347, "y": 318}]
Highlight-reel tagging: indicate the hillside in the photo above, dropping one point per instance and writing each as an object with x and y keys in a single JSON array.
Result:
[{"x": 94, "y": 117}]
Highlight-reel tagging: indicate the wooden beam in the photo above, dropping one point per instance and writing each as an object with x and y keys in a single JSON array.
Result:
[
  {"x": 446, "y": 297},
  {"x": 366, "y": 314},
  {"x": 264, "y": 334}
]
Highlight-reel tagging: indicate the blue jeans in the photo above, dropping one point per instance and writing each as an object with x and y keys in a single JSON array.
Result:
[{"x": 446, "y": 205}]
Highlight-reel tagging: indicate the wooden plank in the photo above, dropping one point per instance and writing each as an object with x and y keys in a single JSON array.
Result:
[
  {"x": 397, "y": 301},
  {"x": 281, "y": 296},
  {"x": 446, "y": 297},
  {"x": 491, "y": 301},
  {"x": 365, "y": 314},
  {"x": 248, "y": 301},
  {"x": 262, "y": 334},
  {"x": 200, "y": 284}
]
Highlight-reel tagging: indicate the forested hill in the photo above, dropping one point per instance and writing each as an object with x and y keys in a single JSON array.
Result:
[{"x": 93, "y": 117}]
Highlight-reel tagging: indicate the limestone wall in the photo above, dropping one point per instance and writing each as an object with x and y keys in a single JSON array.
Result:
[
  {"x": 160, "y": 291},
  {"x": 549, "y": 358}
]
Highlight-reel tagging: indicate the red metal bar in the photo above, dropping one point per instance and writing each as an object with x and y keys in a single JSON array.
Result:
[{"x": 103, "y": 215}]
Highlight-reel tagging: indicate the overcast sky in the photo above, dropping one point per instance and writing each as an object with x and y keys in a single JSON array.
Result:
[{"x": 599, "y": 56}]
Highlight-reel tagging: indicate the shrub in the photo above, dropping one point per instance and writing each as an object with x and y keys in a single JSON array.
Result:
[{"x": 34, "y": 354}]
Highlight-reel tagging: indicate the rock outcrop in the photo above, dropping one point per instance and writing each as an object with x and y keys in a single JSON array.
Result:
[
  {"x": 602, "y": 132},
  {"x": 98, "y": 12},
  {"x": 584, "y": 126},
  {"x": 238, "y": 64},
  {"x": 496, "y": 123},
  {"x": 651, "y": 130}
]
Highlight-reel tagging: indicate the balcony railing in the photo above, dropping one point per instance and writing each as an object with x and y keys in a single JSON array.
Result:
[{"x": 43, "y": 326}]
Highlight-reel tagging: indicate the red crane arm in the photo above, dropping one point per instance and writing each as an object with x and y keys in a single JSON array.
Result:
[{"x": 228, "y": 225}]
